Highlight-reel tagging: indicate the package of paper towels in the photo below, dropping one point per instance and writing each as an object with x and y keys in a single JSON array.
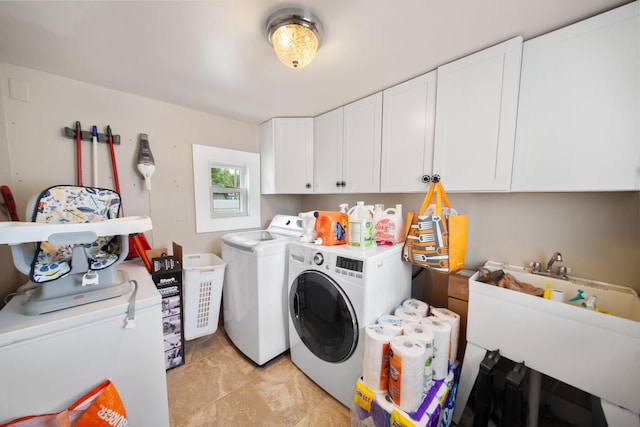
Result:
[
  {"x": 394, "y": 323},
  {"x": 425, "y": 336},
  {"x": 441, "y": 336},
  {"x": 408, "y": 316},
  {"x": 406, "y": 372},
  {"x": 454, "y": 320},
  {"x": 417, "y": 306},
  {"x": 375, "y": 362}
]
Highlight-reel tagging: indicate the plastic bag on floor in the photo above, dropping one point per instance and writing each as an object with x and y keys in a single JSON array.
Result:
[{"x": 101, "y": 407}]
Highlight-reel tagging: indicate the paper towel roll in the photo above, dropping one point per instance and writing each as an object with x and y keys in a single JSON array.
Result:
[
  {"x": 454, "y": 320},
  {"x": 441, "y": 338},
  {"x": 407, "y": 316},
  {"x": 425, "y": 336},
  {"x": 416, "y": 306},
  {"x": 406, "y": 372},
  {"x": 392, "y": 322},
  {"x": 375, "y": 362}
]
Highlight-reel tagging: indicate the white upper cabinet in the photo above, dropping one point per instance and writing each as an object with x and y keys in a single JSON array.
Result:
[
  {"x": 579, "y": 115},
  {"x": 286, "y": 156},
  {"x": 327, "y": 155},
  {"x": 347, "y": 147},
  {"x": 408, "y": 123},
  {"x": 476, "y": 106}
]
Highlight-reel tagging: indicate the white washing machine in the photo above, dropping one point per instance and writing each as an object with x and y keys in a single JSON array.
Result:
[
  {"x": 334, "y": 293},
  {"x": 255, "y": 288}
]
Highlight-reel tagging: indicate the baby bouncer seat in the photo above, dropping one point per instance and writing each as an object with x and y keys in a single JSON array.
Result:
[{"x": 71, "y": 248}]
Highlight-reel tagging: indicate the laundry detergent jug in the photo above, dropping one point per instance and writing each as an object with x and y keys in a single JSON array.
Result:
[
  {"x": 388, "y": 227},
  {"x": 331, "y": 228},
  {"x": 360, "y": 227}
]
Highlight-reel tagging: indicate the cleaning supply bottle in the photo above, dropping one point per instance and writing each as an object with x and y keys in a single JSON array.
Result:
[
  {"x": 399, "y": 221},
  {"x": 360, "y": 227},
  {"x": 378, "y": 215},
  {"x": 389, "y": 228}
]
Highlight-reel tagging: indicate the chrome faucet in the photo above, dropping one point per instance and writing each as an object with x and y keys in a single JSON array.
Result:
[
  {"x": 557, "y": 256},
  {"x": 536, "y": 267}
]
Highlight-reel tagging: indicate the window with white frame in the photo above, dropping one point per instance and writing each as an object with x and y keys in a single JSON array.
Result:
[{"x": 227, "y": 189}]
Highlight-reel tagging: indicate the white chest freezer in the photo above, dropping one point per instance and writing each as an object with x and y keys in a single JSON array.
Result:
[{"x": 49, "y": 361}]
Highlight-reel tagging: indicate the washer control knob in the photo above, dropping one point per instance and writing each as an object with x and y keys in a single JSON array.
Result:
[{"x": 318, "y": 259}]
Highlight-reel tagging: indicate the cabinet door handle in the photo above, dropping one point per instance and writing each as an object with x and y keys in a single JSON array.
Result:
[
  {"x": 337, "y": 183},
  {"x": 343, "y": 184},
  {"x": 307, "y": 185},
  {"x": 425, "y": 179},
  {"x": 435, "y": 178}
]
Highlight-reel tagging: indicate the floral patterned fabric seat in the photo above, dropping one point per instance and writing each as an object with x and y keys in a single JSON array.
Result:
[{"x": 73, "y": 204}]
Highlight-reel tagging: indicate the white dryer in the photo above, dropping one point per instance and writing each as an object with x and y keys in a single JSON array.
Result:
[
  {"x": 255, "y": 288},
  {"x": 334, "y": 293}
]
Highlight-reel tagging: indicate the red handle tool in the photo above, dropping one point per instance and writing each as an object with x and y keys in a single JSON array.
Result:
[{"x": 10, "y": 202}]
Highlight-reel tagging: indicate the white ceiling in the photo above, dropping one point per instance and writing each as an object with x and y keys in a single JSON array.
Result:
[{"x": 213, "y": 55}]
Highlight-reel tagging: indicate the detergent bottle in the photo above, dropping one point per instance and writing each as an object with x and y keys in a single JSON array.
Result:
[
  {"x": 360, "y": 227},
  {"x": 389, "y": 228},
  {"x": 399, "y": 221},
  {"x": 331, "y": 228},
  {"x": 378, "y": 212},
  {"x": 378, "y": 216}
]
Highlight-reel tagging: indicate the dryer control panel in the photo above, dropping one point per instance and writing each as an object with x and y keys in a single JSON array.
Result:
[{"x": 349, "y": 264}]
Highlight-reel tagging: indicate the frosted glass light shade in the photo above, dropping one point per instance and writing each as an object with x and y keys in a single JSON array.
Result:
[
  {"x": 295, "y": 34},
  {"x": 295, "y": 45}
]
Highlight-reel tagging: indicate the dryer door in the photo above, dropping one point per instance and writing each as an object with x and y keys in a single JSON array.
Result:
[{"x": 323, "y": 316}]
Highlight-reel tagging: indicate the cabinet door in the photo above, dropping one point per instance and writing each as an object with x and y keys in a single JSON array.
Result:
[
  {"x": 476, "y": 119},
  {"x": 362, "y": 144},
  {"x": 579, "y": 107},
  {"x": 286, "y": 148},
  {"x": 408, "y": 123},
  {"x": 328, "y": 138}
]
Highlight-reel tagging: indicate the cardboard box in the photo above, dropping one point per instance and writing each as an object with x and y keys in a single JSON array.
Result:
[
  {"x": 458, "y": 286},
  {"x": 439, "y": 292},
  {"x": 166, "y": 272},
  {"x": 461, "y": 307}
]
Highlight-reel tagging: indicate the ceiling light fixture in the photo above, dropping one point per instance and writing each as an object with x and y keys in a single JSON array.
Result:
[{"x": 295, "y": 35}]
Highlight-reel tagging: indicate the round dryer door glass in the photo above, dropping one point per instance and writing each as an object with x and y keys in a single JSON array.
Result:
[{"x": 323, "y": 316}]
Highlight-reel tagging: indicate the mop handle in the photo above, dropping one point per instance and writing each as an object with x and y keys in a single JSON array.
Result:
[
  {"x": 94, "y": 149},
  {"x": 78, "y": 154},
  {"x": 114, "y": 166}
]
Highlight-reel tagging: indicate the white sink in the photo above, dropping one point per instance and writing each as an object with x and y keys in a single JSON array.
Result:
[
  {"x": 595, "y": 352},
  {"x": 620, "y": 301}
]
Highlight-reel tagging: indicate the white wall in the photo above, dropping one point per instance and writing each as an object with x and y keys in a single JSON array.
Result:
[
  {"x": 34, "y": 154},
  {"x": 598, "y": 234}
]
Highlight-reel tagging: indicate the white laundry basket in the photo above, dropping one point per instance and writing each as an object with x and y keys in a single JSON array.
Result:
[{"x": 203, "y": 277}]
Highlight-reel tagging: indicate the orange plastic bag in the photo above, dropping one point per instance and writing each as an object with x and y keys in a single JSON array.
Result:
[{"x": 101, "y": 407}]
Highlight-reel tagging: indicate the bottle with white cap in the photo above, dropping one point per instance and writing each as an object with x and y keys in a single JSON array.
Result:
[{"x": 360, "y": 227}]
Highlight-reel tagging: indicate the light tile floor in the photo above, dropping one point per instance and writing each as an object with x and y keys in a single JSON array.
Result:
[{"x": 219, "y": 386}]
